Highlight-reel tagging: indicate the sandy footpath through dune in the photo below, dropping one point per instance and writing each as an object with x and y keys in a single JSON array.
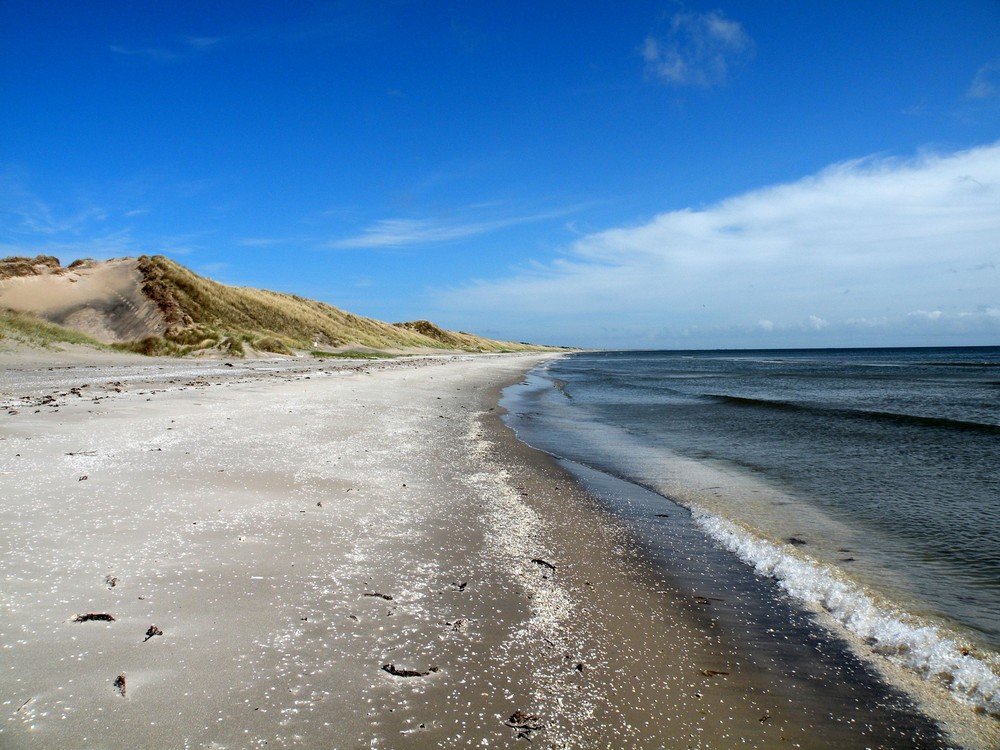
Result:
[{"x": 328, "y": 555}]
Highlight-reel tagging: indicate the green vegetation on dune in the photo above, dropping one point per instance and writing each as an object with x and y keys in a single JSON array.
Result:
[
  {"x": 29, "y": 329},
  {"x": 194, "y": 307},
  {"x": 197, "y": 314}
]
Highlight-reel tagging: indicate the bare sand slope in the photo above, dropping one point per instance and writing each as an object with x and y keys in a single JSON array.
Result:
[
  {"x": 309, "y": 555},
  {"x": 104, "y": 300}
]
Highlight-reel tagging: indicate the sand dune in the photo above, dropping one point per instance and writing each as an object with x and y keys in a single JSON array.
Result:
[
  {"x": 155, "y": 306},
  {"x": 103, "y": 300}
]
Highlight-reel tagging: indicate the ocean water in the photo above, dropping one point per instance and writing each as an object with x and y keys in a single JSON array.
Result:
[{"x": 865, "y": 482}]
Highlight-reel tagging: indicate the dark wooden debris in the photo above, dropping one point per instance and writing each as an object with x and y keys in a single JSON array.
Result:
[
  {"x": 397, "y": 672},
  {"x": 90, "y": 616},
  {"x": 119, "y": 684},
  {"x": 525, "y": 724},
  {"x": 707, "y": 600}
]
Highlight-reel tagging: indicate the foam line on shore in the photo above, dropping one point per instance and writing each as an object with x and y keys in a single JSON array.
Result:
[{"x": 899, "y": 637}]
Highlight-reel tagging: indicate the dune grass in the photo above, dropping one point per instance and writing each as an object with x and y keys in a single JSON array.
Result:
[
  {"x": 25, "y": 328},
  {"x": 199, "y": 314},
  {"x": 268, "y": 321}
]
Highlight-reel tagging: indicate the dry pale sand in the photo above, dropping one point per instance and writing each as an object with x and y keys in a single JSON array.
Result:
[{"x": 340, "y": 556}]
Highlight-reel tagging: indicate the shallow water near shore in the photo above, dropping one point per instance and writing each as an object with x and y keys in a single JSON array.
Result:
[{"x": 864, "y": 482}]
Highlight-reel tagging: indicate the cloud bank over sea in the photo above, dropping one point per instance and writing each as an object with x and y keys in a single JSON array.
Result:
[{"x": 875, "y": 250}]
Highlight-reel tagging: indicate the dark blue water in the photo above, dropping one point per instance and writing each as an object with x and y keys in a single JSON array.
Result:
[{"x": 866, "y": 481}]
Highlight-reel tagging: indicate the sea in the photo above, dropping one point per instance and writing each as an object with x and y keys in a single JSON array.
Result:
[{"x": 862, "y": 483}]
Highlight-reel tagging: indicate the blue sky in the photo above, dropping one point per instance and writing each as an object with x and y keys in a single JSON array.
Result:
[{"x": 606, "y": 174}]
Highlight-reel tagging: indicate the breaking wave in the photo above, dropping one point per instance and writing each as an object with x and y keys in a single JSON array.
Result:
[{"x": 898, "y": 637}]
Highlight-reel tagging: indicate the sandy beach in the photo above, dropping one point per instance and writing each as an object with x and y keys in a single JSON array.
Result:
[{"x": 342, "y": 554}]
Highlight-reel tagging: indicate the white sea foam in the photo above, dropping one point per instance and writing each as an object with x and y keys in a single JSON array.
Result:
[{"x": 896, "y": 636}]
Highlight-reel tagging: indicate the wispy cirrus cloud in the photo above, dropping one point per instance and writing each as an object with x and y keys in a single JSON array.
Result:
[
  {"x": 36, "y": 218},
  {"x": 99, "y": 245},
  {"x": 851, "y": 251},
  {"x": 110, "y": 244},
  {"x": 78, "y": 228},
  {"x": 395, "y": 233},
  {"x": 699, "y": 49},
  {"x": 403, "y": 232},
  {"x": 175, "y": 50},
  {"x": 268, "y": 241},
  {"x": 26, "y": 216}
]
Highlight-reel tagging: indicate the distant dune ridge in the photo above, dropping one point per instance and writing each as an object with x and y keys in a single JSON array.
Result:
[{"x": 153, "y": 305}]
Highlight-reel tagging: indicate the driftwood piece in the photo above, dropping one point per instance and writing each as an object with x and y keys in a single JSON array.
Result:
[
  {"x": 524, "y": 723},
  {"x": 543, "y": 563},
  {"x": 379, "y": 595},
  {"x": 90, "y": 616},
  {"x": 707, "y": 600},
  {"x": 397, "y": 672}
]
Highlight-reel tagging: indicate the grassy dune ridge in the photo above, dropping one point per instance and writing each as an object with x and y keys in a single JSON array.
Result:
[{"x": 199, "y": 314}]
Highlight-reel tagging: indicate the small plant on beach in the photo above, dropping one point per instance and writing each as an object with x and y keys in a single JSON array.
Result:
[
  {"x": 196, "y": 337},
  {"x": 150, "y": 346},
  {"x": 233, "y": 346},
  {"x": 271, "y": 344}
]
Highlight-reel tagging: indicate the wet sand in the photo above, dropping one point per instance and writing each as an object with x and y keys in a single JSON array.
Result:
[{"x": 307, "y": 554}]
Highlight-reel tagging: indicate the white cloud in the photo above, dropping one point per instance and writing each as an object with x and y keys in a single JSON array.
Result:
[
  {"x": 699, "y": 49},
  {"x": 855, "y": 247},
  {"x": 984, "y": 85}
]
